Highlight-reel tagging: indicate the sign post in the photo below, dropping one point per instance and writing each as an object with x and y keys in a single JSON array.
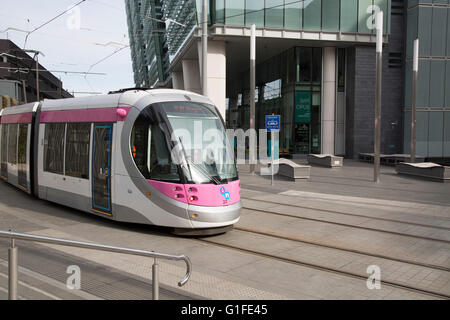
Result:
[{"x": 272, "y": 125}]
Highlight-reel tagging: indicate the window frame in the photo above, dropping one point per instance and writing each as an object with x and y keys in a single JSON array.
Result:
[{"x": 84, "y": 175}]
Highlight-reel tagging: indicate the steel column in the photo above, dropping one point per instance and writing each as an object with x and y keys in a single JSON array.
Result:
[
  {"x": 252, "y": 92},
  {"x": 414, "y": 95},
  {"x": 155, "y": 279},
  {"x": 205, "y": 48},
  {"x": 13, "y": 269},
  {"x": 377, "y": 139}
]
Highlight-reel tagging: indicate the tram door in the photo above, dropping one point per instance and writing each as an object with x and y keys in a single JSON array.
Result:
[
  {"x": 101, "y": 168},
  {"x": 4, "y": 156},
  {"x": 22, "y": 155}
]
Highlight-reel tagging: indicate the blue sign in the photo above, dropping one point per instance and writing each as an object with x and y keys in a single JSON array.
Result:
[{"x": 273, "y": 123}]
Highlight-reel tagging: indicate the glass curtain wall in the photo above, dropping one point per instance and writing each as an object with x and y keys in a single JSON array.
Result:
[
  {"x": 288, "y": 85},
  {"x": 307, "y": 114},
  {"x": 315, "y": 15}
]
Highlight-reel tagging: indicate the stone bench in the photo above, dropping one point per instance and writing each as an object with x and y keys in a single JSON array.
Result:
[
  {"x": 425, "y": 170},
  {"x": 389, "y": 159},
  {"x": 326, "y": 160},
  {"x": 290, "y": 169}
]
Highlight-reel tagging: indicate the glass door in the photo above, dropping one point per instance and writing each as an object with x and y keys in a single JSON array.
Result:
[{"x": 101, "y": 168}]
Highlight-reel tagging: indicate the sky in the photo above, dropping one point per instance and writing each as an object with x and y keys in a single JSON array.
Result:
[{"x": 76, "y": 41}]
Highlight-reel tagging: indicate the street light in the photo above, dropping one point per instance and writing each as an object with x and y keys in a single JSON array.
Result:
[
  {"x": 379, "y": 61},
  {"x": 36, "y": 55}
]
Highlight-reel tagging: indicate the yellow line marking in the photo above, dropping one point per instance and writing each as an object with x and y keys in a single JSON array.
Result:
[{"x": 105, "y": 213}]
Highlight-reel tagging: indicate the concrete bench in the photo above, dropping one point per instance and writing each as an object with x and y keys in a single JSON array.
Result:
[
  {"x": 292, "y": 170},
  {"x": 326, "y": 160},
  {"x": 394, "y": 159},
  {"x": 425, "y": 170},
  {"x": 389, "y": 159}
]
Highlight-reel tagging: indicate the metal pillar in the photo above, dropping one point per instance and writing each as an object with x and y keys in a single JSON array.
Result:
[
  {"x": 414, "y": 94},
  {"x": 155, "y": 278},
  {"x": 205, "y": 48},
  {"x": 252, "y": 91},
  {"x": 12, "y": 271},
  {"x": 377, "y": 139},
  {"x": 24, "y": 90},
  {"x": 37, "y": 76},
  {"x": 272, "y": 142}
]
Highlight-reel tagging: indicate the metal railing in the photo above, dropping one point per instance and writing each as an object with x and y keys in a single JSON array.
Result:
[{"x": 13, "y": 258}]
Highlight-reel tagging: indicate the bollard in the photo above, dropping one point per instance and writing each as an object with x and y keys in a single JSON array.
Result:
[
  {"x": 155, "y": 281},
  {"x": 13, "y": 270}
]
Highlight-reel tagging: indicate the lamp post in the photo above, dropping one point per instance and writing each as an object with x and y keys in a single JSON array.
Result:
[
  {"x": 379, "y": 49},
  {"x": 36, "y": 56},
  {"x": 414, "y": 94},
  {"x": 204, "y": 48},
  {"x": 252, "y": 93}
]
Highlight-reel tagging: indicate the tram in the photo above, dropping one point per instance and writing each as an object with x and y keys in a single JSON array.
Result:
[{"x": 158, "y": 157}]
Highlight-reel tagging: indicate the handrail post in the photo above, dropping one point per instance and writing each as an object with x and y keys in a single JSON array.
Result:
[
  {"x": 12, "y": 270},
  {"x": 155, "y": 279}
]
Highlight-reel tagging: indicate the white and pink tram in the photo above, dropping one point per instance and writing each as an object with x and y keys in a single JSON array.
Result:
[{"x": 121, "y": 156}]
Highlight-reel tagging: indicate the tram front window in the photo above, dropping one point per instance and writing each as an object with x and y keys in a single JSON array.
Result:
[
  {"x": 206, "y": 150},
  {"x": 150, "y": 152}
]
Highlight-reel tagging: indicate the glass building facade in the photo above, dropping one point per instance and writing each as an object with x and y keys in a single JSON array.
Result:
[
  {"x": 429, "y": 21},
  {"x": 327, "y": 15},
  {"x": 304, "y": 47},
  {"x": 289, "y": 85}
]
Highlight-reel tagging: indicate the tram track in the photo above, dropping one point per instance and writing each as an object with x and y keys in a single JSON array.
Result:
[
  {"x": 348, "y": 214},
  {"x": 345, "y": 224},
  {"x": 318, "y": 244},
  {"x": 325, "y": 268}
]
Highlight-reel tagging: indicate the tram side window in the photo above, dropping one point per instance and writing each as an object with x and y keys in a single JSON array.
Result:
[
  {"x": 4, "y": 150},
  {"x": 12, "y": 144},
  {"x": 77, "y": 150},
  {"x": 54, "y": 147},
  {"x": 4, "y": 143},
  {"x": 150, "y": 152},
  {"x": 22, "y": 147}
]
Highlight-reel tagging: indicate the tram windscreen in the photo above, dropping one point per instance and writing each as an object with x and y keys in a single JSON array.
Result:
[{"x": 205, "y": 147}]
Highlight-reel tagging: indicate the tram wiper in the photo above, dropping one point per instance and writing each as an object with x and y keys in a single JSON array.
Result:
[
  {"x": 199, "y": 168},
  {"x": 204, "y": 172}
]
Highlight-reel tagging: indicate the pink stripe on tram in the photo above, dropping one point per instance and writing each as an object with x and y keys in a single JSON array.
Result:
[
  {"x": 206, "y": 195},
  {"x": 85, "y": 115},
  {"x": 17, "y": 118}
]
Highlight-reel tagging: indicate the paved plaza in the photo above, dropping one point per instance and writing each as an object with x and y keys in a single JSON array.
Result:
[{"x": 296, "y": 240}]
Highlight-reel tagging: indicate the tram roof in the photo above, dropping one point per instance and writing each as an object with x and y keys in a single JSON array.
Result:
[{"x": 126, "y": 98}]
